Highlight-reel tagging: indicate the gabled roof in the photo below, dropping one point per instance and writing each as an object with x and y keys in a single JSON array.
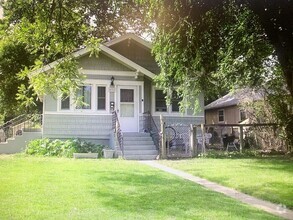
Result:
[
  {"x": 129, "y": 36},
  {"x": 235, "y": 98},
  {"x": 110, "y": 53}
]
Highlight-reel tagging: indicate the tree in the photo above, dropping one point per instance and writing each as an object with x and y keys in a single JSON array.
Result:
[
  {"x": 208, "y": 45},
  {"x": 35, "y": 33}
]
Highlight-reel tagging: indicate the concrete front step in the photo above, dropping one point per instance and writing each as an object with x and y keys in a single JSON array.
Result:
[
  {"x": 140, "y": 157},
  {"x": 135, "y": 134},
  {"x": 140, "y": 152},
  {"x": 140, "y": 147},
  {"x": 18, "y": 144},
  {"x": 138, "y": 142}
]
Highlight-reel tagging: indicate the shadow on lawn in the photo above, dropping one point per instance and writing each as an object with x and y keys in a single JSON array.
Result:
[{"x": 163, "y": 195}]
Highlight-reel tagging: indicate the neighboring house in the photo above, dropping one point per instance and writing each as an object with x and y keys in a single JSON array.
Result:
[
  {"x": 120, "y": 79},
  {"x": 227, "y": 109}
]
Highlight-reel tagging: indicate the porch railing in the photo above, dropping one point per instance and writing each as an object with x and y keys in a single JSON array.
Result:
[
  {"x": 117, "y": 130},
  {"x": 150, "y": 126},
  {"x": 20, "y": 124}
]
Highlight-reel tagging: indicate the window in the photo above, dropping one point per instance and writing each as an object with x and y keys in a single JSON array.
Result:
[
  {"x": 175, "y": 102},
  {"x": 85, "y": 95},
  {"x": 242, "y": 115},
  {"x": 65, "y": 103},
  {"x": 160, "y": 105},
  {"x": 221, "y": 115},
  {"x": 101, "y": 97},
  {"x": 126, "y": 102}
]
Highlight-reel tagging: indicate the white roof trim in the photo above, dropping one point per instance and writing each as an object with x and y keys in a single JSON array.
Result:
[
  {"x": 107, "y": 51},
  {"x": 129, "y": 36}
]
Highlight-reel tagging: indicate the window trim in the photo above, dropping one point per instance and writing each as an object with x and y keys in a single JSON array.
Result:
[
  {"x": 63, "y": 100},
  {"x": 97, "y": 97},
  {"x": 94, "y": 101},
  {"x": 91, "y": 100},
  {"x": 169, "y": 107},
  {"x": 223, "y": 110}
]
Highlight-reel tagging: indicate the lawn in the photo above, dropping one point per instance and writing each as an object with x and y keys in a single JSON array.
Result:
[
  {"x": 267, "y": 178},
  {"x": 55, "y": 188}
]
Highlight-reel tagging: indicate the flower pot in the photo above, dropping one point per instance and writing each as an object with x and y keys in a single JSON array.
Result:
[
  {"x": 108, "y": 153},
  {"x": 85, "y": 155}
]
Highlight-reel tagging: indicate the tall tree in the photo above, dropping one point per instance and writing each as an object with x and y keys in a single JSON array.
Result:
[
  {"x": 206, "y": 45},
  {"x": 40, "y": 32}
]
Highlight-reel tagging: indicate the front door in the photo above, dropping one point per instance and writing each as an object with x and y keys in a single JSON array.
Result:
[{"x": 128, "y": 108}]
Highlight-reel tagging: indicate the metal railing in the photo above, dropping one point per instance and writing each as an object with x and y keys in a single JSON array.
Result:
[
  {"x": 150, "y": 126},
  {"x": 117, "y": 130},
  {"x": 20, "y": 124},
  {"x": 178, "y": 140}
]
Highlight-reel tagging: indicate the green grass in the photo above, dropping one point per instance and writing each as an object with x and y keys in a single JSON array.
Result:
[
  {"x": 55, "y": 188},
  {"x": 267, "y": 178}
]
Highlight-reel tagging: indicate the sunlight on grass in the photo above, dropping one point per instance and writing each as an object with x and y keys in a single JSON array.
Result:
[
  {"x": 269, "y": 178},
  {"x": 55, "y": 188}
]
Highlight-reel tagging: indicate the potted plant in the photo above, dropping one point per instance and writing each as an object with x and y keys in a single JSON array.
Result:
[{"x": 108, "y": 152}]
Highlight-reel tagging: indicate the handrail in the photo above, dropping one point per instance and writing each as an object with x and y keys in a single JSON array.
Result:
[
  {"x": 17, "y": 125},
  {"x": 12, "y": 121},
  {"x": 151, "y": 127},
  {"x": 117, "y": 129}
]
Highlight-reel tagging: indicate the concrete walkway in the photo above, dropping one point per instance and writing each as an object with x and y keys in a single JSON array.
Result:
[{"x": 272, "y": 208}]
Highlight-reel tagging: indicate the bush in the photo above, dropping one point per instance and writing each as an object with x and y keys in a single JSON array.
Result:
[{"x": 60, "y": 148}]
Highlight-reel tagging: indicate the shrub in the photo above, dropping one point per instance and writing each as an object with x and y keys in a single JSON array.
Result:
[{"x": 60, "y": 148}]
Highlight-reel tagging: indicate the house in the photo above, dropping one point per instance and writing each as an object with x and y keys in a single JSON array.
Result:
[
  {"x": 119, "y": 80},
  {"x": 227, "y": 109}
]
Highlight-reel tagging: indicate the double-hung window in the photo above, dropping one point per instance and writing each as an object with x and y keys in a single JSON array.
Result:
[
  {"x": 84, "y": 96},
  {"x": 160, "y": 102},
  {"x": 101, "y": 98},
  {"x": 221, "y": 115},
  {"x": 65, "y": 103},
  {"x": 160, "y": 105},
  {"x": 175, "y": 101}
]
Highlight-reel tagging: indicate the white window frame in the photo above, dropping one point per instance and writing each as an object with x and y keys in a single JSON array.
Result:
[
  {"x": 94, "y": 99},
  {"x": 169, "y": 107},
  {"x": 91, "y": 104},
  {"x": 223, "y": 115}
]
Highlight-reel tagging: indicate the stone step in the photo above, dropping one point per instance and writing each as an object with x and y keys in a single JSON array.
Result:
[
  {"x": 140, "y": 157},
  {"x": 138, "y": 142},
  {"x": 137, "y": 138},
  {"x": 140, "y": 147},
  {"x": 140, "y": 152},
  {"x": 135, "y": 134}
]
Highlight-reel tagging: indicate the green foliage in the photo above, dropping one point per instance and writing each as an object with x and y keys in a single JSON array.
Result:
[
  {"x": 60, "y": 148},
  {"x": 221, "y": 48},
  {"x": 40, "y": 32}
]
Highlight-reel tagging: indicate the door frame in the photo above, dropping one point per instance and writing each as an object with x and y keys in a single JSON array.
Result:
[{"x": 137, "y": 84}]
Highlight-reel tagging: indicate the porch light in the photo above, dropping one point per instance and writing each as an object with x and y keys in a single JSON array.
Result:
[{"x": 112, "y": 81}]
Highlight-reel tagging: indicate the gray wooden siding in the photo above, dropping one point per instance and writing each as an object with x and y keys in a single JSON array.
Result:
[
  {"x": 50, "y": 103},
  {"x": 77, "y": 126},
  {"x": 138, "y": 54},
  {"x": 101, "y": 63}
]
